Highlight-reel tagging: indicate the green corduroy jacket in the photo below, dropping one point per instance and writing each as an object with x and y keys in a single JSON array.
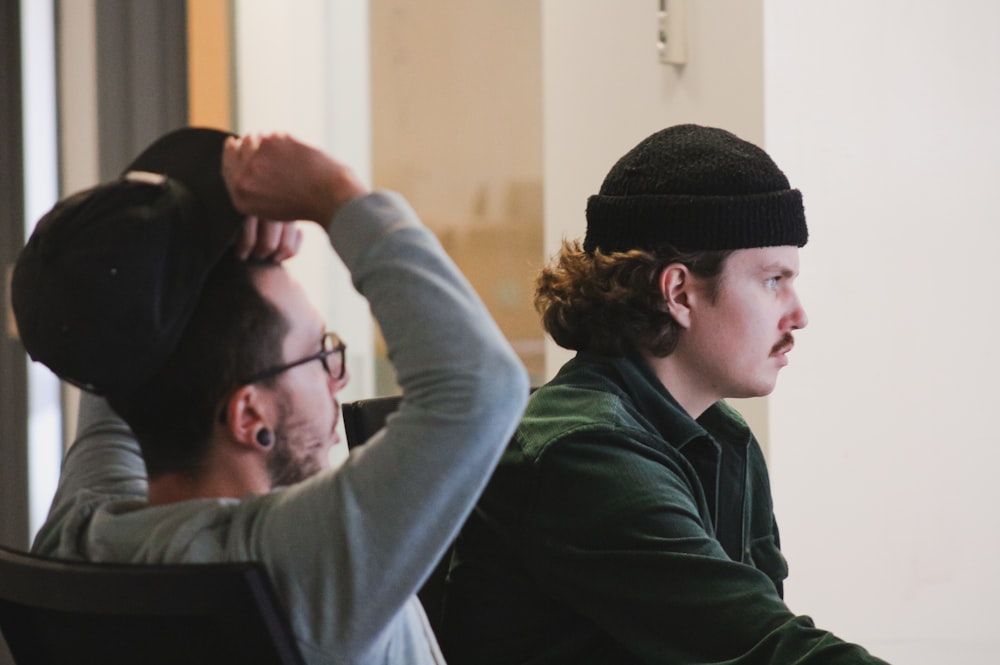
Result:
[{"x": 617, "y": 529}]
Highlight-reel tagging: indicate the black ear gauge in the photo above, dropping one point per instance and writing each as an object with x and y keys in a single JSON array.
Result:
[{"x": 264, "y": 437}]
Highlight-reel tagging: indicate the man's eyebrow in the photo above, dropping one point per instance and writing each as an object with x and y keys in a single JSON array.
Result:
[{"x": 780, "y": 268}]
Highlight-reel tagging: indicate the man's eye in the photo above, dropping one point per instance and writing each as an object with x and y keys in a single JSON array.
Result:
[{"x": 772, "y": 282}]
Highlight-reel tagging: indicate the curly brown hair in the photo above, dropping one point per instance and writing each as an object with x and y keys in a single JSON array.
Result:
[{"x": 611, "y": 303}]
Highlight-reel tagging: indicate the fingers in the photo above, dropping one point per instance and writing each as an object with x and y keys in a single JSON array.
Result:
[
  {"x": 265, "y": 240},
  {"x": 229, "y": 154},
  {"x": 247, "y": 239},
  {"x": 289, "y": 244},
  {"x": 237, "y": 169},
  {"x": 256, "y": 170},
  {"x": 268, "y": 239},
  {"x": 258, "y": 239},
  {"x": 281, "y": 178}
]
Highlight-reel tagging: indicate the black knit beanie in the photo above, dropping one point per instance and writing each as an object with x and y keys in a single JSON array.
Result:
[{"x": 694, "y": 188}]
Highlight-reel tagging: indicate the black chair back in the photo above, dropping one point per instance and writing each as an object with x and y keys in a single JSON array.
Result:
[
  {"x": 367, "y": 416},
  {"x": 83, "y": 613}
]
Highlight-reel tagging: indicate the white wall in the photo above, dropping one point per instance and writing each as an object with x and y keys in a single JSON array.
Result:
[{"x": 882, "y": 446}]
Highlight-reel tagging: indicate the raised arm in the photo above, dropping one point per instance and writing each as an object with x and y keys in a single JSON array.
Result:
[
  {"x": 103, "y": 461},
  {"x": 372, "y": 531}
]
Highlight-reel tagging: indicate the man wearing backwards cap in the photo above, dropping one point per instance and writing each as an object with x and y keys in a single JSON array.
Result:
[
  {"x": 630, "y": 519},
  {"x": 137, "y": 290}
]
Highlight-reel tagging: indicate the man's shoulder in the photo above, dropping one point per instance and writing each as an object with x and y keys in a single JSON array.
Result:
[
  {"x": 563, "y": 413},
  {"x": 106, "y": 528}
]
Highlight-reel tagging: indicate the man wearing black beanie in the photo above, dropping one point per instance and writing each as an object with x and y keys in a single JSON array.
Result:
[{"x": 630, "y": 519}]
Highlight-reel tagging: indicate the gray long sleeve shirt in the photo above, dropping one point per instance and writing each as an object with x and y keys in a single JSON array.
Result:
[{"x": 347, "y": 549}]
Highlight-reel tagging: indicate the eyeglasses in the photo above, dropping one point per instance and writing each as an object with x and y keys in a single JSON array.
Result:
[{"x": 332, "y": 357}]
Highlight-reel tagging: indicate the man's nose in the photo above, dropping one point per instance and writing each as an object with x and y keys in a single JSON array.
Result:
[{"x": 798, "y": 317}]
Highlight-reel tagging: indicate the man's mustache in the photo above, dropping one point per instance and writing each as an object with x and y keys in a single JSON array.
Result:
[{"x": 784, "y": 345}]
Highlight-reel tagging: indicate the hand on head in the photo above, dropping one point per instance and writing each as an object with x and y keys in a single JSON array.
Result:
[
  {"x": 266, "y": 240},
  {"x": 277, "y": 177}
]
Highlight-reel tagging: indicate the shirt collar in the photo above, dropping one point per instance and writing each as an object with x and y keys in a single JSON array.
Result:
[{"x": 720, "y": 422}]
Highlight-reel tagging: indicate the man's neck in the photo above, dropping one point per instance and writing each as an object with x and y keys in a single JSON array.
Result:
[
  {"x": 226, "y": 472},
  {"x": 681, "y": 386},
  {"x": 173, "y": 487}
]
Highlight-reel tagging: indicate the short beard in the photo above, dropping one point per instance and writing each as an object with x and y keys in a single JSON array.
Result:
[{"x": 282, "y": 466}]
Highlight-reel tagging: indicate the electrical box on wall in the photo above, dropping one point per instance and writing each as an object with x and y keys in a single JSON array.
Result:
[{"x": 672, "y": 44}]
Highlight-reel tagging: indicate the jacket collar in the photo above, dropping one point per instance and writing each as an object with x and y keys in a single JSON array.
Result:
[{"x": 719, "y": 423}]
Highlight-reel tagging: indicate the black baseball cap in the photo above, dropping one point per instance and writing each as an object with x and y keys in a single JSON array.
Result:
[{"x": 110, "y": 277}]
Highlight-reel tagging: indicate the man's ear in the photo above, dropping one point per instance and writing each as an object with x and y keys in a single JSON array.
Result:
[
  {"x": 677, "y": 291},
  {"x": 246, "y": 415}
]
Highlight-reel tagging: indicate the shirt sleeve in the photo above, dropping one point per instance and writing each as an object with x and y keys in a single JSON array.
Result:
[
  {"x": 367, "y": 535},
  {"x": 103, "y": 461}
]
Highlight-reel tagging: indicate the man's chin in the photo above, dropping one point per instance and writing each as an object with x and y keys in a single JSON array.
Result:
[{"x": 761, "y": 390}]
